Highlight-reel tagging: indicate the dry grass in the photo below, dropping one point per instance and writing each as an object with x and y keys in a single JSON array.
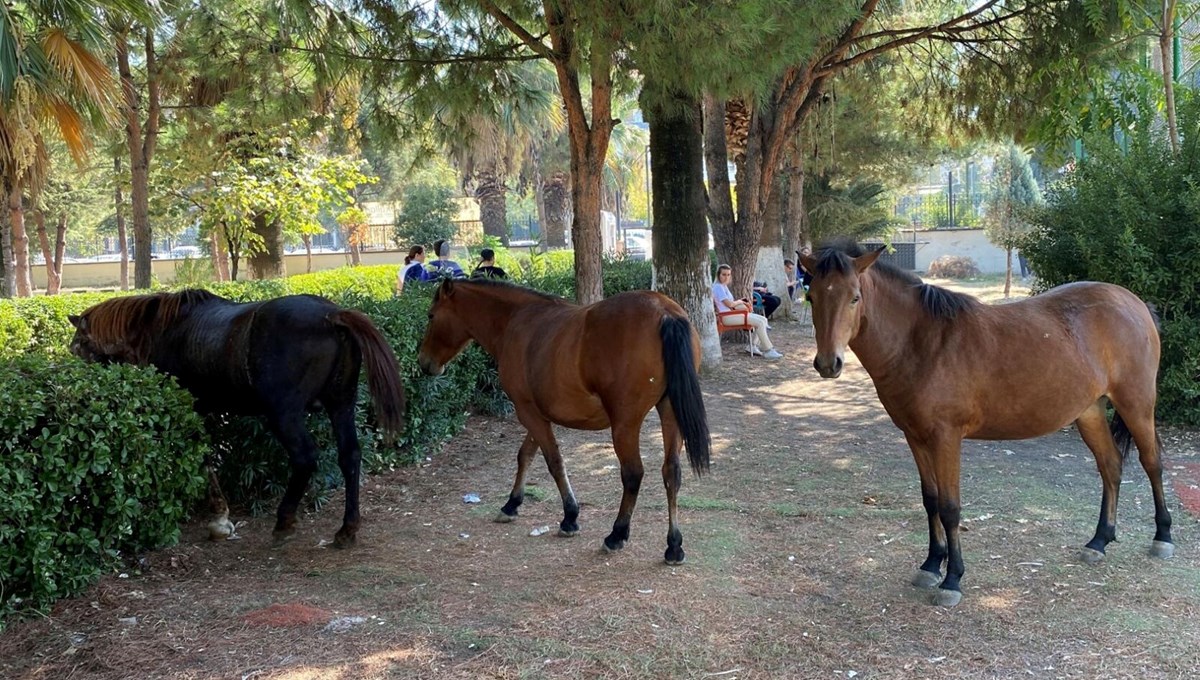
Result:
[{"x": 800, "y": 544}]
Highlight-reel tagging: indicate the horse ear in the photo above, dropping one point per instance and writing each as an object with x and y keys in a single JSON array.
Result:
[
  {"x": 447, "y": 288},
  {"x": 78, "y": 322},
  {"x": 807, "y": 261},
  {"x": 863, "y": 261}
]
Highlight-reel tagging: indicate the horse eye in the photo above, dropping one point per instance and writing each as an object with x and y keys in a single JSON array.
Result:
[{"x": 855, "y": 300}]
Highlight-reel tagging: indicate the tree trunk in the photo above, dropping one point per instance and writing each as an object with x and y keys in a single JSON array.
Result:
[
  {"x": 493, "y": 211},
  {"x": 307, "y": 238},
  {"x": 53, "y": 273},
  {"x": 680, "y": 235},
  {"x": 268, "y": 263},
  {"x": 1165, "y": 46},
  {"x": 122, "y": 237},
  {"x": 734, "y": 245},
  {"x": 1008, "y": 272},
  {"x": 769, "y": 266},
  {"x": 220, "y": 257},
  {"x": 557, "y": 201},
  {"x": 20, "y": 241},
  {"x": 8, "y": 282},
  {"x": 795, "y": 222},
  {"x": 141, "y": 144}
]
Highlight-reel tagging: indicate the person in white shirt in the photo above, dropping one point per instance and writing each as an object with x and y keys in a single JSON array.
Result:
[{"x": 727, "y": 303}]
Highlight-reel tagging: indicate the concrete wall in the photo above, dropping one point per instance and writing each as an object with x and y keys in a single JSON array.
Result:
[
  {"x": 972, "y": 243},
  {"x": 108, "y": 274}
]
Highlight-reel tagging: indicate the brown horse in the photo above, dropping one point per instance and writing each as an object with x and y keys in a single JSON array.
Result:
[
  {"x": 947, "y": 367},
  {"x": 588, "y": 368},
  {"x": 276, "y": 358}
]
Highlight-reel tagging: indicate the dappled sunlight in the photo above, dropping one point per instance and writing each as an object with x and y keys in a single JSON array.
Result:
[
  {"x": 1002, "y": 600},
  {"x": 842, "y": 463},
  {"x": 374, "y": 665}
]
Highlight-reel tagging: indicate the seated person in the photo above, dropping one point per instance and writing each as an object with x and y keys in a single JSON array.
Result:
[
  {"x": 770, "y": 300},
  {"x": 443, "y": 266},
  {"x": 726, "y": 303},
  {"x": 413, "y": 269},
  {"x": 487, "y": 268}
]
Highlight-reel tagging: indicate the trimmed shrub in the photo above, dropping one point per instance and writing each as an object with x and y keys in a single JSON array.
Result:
[
  {"x": 96, "y": 462},
  {"x": 1131, "y": 216},
  {"x": 953, "y": 267}
]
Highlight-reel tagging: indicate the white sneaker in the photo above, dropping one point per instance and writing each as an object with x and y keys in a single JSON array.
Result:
[
  {"x": 772, "y": 354},
  {"x": 755, "y": 352}
]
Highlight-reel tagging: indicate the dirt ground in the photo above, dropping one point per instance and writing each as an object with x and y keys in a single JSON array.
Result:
[{"x": 800, "y": 545}]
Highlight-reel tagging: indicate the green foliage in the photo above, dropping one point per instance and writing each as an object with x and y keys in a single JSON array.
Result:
[
  {"x": 856, "y": 210},
  {"x": 1133, "y": 218},
  {"x": 426, "y": 215},
  {"x": 96, "y": 462}
]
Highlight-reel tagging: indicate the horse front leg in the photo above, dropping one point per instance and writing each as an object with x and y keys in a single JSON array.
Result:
[
  {"x": 929, "y": 575},
  {"x": 627, "y": 445},
  {"x": 542, "y": 432},
  {"x": 525, "y": 454},
  {"x": 350, "y": 462},
  {"x": 946, "y": 466},
  {"x": 290, "y": 429}
]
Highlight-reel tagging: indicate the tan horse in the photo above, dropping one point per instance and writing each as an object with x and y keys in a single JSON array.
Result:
[
  {"x": 588, "y": 368},
  {"x": 947, "y": 367}
]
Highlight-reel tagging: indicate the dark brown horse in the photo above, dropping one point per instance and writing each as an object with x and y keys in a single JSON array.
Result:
[
  {"x": 277, "y": 358},
  {"x": 588, "y": 368},
  {"x": 947, "y": 367}
]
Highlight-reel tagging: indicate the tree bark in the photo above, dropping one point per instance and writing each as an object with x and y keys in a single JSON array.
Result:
[
  {"x": 268, "y": 263},
  {"x": 733, "y": 244},
  {"x": 141, "y": 144},
  {"x": 220, "y": 257},
  {"x": 20, "y": 241},
  {"x": 680, "y": 235},
  {"x": 795, "y": 222},
  {"x": 769, "y": 266},
  {"x": 8, "y": 282},
  {"x": 122, "y": 237},
  {"x": 557, "y": 201},
  {"x": 1007, "y": 272},
  {"x": 53, "y": 264},
  {"x": 493, "y": 210}
]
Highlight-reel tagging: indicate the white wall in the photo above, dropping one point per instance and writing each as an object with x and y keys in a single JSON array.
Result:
[{"x": 972, "y": 243}]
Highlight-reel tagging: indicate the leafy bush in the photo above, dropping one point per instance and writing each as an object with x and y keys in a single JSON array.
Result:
[
  {"x": 1132, "y": 217},
  {"x": 953, "y": 267},
  {"x": 95, "y": 462},
  {"x": 427, "y": 214}
]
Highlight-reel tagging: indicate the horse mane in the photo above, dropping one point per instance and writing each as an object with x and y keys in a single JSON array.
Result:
[
  {"x": 135, "y": 319},
  {"x": 501, "y": 283},
  {"x": 938, "y": 302}
]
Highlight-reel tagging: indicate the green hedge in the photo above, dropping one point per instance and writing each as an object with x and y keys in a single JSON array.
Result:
[
  {"x": 95, "y": 462},
  {"x": 1131, "y": 216}
]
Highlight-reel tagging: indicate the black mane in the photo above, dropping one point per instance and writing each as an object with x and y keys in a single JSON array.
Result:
[
  {"x": 937, "y": 302},
  {"x": 501, "y": 283}
]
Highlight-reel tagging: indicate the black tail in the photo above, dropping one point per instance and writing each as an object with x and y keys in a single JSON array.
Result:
[
  {"x": 683, "y": 389},
  {"x": 383, "y": 374}
]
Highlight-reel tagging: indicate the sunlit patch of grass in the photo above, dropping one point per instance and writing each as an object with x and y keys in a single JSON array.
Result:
[{"x": 696, "y": 503}]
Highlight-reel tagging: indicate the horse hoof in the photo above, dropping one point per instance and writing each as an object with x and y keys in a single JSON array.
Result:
[
  {"x": 674, "y": 556},
  {"x": 503, "y": 518},
  {"x": 1091, "y": 556},
  {"x": 606, "y": 548},
  {"x": 947, "y": 598},
  {"x": 567, "y": 533},
  {"x": 341, "y": 542},
  {"x": 1162, "y": 549},
  {"x": 926, "y": 579}
]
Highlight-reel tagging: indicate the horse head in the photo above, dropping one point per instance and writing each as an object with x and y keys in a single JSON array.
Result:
[
  {"x": 116, "y": 331},
  {"x": 836, "y": 296},
  {"x": 447, "y": 333}
]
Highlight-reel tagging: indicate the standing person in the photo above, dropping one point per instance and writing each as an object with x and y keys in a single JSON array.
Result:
[
  {"x": 413, "y": 269},
  {"x": 789, "y": 273},
  {"x": 443, "y": 266},
  {"x": 726, "y": 303},
  {"x": 1024, "y": 265},
  {"x": 487, "y": 268}
]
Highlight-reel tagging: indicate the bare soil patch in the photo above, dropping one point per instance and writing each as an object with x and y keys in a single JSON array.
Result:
[{"x": 800, "y": 544}]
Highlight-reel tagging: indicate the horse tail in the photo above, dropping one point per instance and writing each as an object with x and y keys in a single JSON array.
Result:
[
  {"x": 1120, "y": 431},
  {"x": 683, "y": 389},
  {"x": 383, "y": 373}
]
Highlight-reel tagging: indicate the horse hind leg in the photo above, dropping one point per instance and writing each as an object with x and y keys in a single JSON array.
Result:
[
  {"x": 1093, "y": 427},
  {"x": 672, "y": 479},
  {"x": 350, "y": 461},
  {"x": 524, "y": 455},
  {"x": 289, "y": 428},
  {"x": 627, "y": 446},
  {"x": 1140, "y": 426}
]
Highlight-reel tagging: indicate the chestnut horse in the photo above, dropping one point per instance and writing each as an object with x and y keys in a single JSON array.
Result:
[
  {"x": 276, "y": 358},
  {"x": 588, "y": 368},
  {"x": 947, "y": 367}
]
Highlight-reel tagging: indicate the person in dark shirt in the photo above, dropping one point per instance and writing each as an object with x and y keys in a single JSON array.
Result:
[{"x": 487, "y": 268}]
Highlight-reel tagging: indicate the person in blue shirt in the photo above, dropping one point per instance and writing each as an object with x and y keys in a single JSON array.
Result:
[
  {"x": 443, "y": 266},
  {"x": 413, "y": 269}
]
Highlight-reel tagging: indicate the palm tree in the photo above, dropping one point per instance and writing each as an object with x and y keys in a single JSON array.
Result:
[{"x": 52, "y": 76}]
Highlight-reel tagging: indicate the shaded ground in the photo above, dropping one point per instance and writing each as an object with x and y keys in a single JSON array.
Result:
[{"x": 800, "y": 545}]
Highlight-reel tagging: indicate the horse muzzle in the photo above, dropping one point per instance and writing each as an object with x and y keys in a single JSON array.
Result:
[
  {"x": 429, "y": 366},
  {"x": 829, "y": 366}
]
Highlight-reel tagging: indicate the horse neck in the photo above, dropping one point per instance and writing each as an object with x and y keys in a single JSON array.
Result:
[
  {"x": 892, "y": 313},
  {"x": 489, "y": 311}
]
